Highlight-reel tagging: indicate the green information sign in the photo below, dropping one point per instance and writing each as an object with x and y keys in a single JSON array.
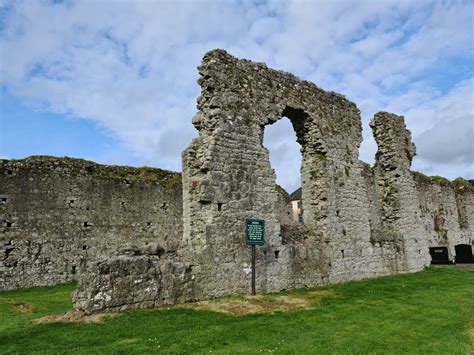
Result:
[{"x": 254, "y": 232}]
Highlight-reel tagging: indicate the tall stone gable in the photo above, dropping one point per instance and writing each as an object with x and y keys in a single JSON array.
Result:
[{"x": 227, "y": 177}]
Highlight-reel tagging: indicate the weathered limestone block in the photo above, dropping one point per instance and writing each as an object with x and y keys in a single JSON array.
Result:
[{"x": 111, "y": 284}]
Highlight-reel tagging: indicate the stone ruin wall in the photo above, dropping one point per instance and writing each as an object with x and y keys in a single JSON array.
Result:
[
  {"x": 56, "y": 213},
  {"x": 446, "y": 211},
  {"x": 359, "y": 221}
]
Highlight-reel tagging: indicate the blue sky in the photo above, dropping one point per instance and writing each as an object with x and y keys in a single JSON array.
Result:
[
  {"x": 115, "y": 81},
  {"x": 27, "y": 131}
]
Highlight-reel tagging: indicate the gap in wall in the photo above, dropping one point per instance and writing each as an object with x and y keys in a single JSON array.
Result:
[{"x": 285, "y": 155}]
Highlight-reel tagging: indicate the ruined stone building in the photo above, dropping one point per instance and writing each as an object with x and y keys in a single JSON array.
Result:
[{"x": 142, "y": 237}]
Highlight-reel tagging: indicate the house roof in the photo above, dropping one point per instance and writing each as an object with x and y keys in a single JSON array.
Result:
[{"x": 296, "y": 195}]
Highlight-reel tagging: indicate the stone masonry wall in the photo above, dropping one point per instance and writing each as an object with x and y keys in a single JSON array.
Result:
[
  {"x": 228, "y": 166},
  {"x": 447, "y": 211},
  {"x": 55, "y": 213},
  {"x": 359, "y": 221},
  {"x": 399, "y": 201},
  {"x": 137, "y": 242}
]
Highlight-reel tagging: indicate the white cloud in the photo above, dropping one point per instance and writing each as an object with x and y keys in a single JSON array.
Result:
[
  {"x": 130, "y": 66},
  {"x": 449, "y": 141}
]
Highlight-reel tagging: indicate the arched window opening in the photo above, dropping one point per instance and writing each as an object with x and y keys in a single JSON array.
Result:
[{"x": 285, "y": 158}]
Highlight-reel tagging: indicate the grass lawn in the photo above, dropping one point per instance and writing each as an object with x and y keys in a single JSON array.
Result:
[{"x": 427, "y": 312}]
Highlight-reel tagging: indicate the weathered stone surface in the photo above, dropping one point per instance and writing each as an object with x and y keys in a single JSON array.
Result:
[
  {"x": 359, "y": 221},
  {"x": 125, "y": 282},
  {"x": 227, "y": 165},
  {"x": 446, "y": 211},
  {"x": 54, "y": 212},
  {"x": 401, "y": 217}
]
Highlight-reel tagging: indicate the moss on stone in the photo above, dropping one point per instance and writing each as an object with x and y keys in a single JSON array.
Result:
[
  {"x": 372, "y": 240},
  {"x": 283, "y": 193},
  {"x": 463, "y": 223},
  {"x": 57, "y": 159},
  {"x": 321, "y": 157},
  {"x": 420, "y": 177},
  {"x": 165, "y": 178},
  {"x": 461, "y": 185},
  {"x": 441, "y": 181},
  {"x": 443, "y": 233},
  {"x": 425, "y": 179}
]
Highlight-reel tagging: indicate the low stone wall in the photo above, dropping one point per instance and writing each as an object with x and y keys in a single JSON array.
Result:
[
  {"x": 55, "y": 212},
  {"x": 136, "y": 279}
]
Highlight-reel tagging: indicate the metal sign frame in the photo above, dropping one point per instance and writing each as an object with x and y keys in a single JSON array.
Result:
[{"x": 254, "y": 231}]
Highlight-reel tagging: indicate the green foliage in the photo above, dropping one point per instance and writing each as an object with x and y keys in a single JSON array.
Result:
[
  {"x": 426, "y": 312},
  {"x": 165, "y": 178},
  {"x": 52, "y": 159},
  {"x": 321, "y": 156},
  {"x": 372, "y": 240},
  {"x": 420, "y": 177},
  {"x": 171, "y": 181},
  {"x": 317, "y": 215},
  {"x": 461, "y": 185},
  {"x": 443, "y": 234},
  {"x": 463, "y": 222},
  {"x": 439, "y": 228},
  {"x": 389, "y": 196},
  {"x": 441, "y": 181}
]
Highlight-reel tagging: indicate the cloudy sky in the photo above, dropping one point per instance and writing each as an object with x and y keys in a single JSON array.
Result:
[{"x": 114, "y": 81}]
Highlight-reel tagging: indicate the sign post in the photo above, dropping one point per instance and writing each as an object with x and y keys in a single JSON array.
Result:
[{"x": 254, "y": 235}]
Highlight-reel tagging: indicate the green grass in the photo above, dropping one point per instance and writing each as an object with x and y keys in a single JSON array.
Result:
[{"x": 427, "y": 312}]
